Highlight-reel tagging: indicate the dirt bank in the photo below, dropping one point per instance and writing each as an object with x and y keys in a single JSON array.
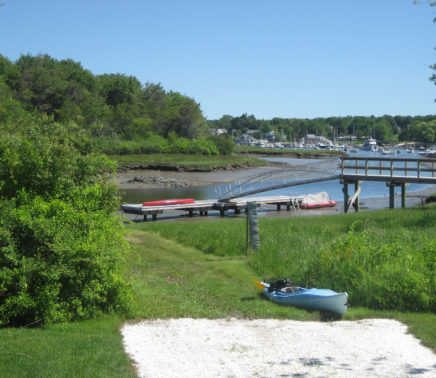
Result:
[{"x": 147, "y": 179}]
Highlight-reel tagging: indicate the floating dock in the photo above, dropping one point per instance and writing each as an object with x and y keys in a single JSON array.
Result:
[{"x": 204, "y": 206}]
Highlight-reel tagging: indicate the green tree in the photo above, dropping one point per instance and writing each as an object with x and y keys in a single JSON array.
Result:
[
  {"x": 118, "y": 89},
  {"x": 382, "y": 130}
]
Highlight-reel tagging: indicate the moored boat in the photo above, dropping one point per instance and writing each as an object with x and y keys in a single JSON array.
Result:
[
  {"x": 369, "y": 145},
  {"x": 309, "y": 299},
  {"x": 428, "y": 153},
  {"x": 166, "y": 202}
]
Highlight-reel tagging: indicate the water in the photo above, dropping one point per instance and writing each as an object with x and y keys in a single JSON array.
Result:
[{"x": 369, "y": 189}]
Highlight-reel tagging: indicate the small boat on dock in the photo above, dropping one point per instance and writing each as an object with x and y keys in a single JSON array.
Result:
[
  {"x": 316, "y": 201},
  {"x": 310, "y": 299},
  {"x": 165, "y": 202}
]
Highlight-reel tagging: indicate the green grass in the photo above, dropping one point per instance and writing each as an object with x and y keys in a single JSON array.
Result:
[
  {"x": 288, "y": 153},
  {"x": 383, "y": 259},
  {"x": 172, "y": 280},
  {"x": 188, "y": 162},
  {"x": 85, "y": 349},
  {"x": 199, "y": 270}
]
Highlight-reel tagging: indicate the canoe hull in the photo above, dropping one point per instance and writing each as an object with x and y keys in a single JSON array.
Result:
[
  {"x": 317, "y": 205},
  {"x": 312, "y": 299},
  {"x": 169, "y": 202}
]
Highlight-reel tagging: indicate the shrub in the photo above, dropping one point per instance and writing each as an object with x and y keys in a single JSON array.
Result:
[
  {"x": 61, "y": 247},
  {"x": 204, "y": 147},
  {"x": 223, "y": 143},
  {"x": 59, "y": 262}
]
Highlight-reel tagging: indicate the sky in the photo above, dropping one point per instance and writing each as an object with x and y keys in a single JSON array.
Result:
[{"x": 267, "y": 58}]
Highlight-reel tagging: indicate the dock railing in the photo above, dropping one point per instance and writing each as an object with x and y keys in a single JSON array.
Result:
[
  {"x": 395, "y": 170},
  {"x": 280, "y": 178}
]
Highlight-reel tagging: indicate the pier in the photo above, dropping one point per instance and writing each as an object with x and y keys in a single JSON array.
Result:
[
  {"x": 395, "y": 172},
  {"x": 203, "y": 207}
]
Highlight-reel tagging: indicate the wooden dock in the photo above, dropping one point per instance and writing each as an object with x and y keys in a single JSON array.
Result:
[
  {"x": 348, "y": 170},
  {"x": 394, "y": 172},
  {"x": 204, "y": 206}
]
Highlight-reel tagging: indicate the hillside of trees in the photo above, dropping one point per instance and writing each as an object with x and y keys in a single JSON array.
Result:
[
  {"x": 126, "y": 116},
  {"x": 109, "y": 104}
]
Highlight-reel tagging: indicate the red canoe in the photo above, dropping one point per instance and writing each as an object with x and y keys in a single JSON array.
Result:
[
  {"x": 169, "y": 202},
  {"x": 317, "y": 205}
]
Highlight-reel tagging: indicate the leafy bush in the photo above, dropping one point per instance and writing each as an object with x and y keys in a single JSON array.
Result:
[
  {"x": 59, "y": 262},
  {"x": 224, "y": 144},
  {"x": 61, "y": 247},
  {"x": 155, "y": 144},
  {"x": 204, "y": 147}
]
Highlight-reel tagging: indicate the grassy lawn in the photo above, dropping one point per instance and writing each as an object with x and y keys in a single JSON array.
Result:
[
  {"x": 84, "y": 349},
  {"x": 199, "y": 269}
]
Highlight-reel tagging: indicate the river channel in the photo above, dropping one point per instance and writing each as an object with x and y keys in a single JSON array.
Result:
[{"x": 333, "y": 188}]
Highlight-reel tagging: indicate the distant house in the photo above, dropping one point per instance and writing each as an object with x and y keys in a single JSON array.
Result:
[
  {"x": 270, "y": 136},
  {"x": 245, "y": 140},
  {"x": 216, "y": 132}
]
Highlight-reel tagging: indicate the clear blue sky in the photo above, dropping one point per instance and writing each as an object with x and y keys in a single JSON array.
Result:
[{"x": 269, "y": 58}]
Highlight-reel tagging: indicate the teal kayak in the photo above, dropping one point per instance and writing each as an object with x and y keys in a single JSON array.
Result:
[
  {"x": 312, "y": 299},
  {"x": 309, "y": 299}
]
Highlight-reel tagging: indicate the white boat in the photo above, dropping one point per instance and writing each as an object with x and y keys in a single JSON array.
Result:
[
  {"x": 431, "y": 153},
  {"x": 315, "y": 201},
  {"x": 387, "y": 151},
  {"x": 369, "y": 145}
]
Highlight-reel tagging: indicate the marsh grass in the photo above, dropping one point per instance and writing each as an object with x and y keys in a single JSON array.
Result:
[
  {"x": 188, "y": 161},
  {"x": 286, "y": 152}
]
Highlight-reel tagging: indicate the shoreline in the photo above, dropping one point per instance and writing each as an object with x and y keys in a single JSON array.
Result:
[
  {"x": 155, "y": 179},
  {"x": 149, "y": 179}
]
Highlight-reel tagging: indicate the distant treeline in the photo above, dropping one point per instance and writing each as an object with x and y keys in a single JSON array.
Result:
[
  {"x": 123, "y": 114},
  {"x": 385, "y": 128}
]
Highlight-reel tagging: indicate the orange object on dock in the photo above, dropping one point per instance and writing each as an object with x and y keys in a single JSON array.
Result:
[{"x": 169, "y": 202}]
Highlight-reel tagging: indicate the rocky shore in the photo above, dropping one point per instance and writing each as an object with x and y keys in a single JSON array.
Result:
[{"x": 148, "y": 179}]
